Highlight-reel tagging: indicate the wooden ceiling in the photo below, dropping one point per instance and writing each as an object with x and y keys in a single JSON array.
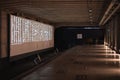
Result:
[{"x": 60, "y": 12}]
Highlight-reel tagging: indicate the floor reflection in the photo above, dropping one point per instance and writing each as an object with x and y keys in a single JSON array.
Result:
[{"x": 97, "y": 62}]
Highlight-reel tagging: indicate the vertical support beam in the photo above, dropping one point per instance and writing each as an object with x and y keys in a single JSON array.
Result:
[
  {"x": 114, "y": 32},
  {"x": 3, "y": 40},
  {"x": 0, "y": 36},
  {"x": 106, "y": 38},
  {"x": 4, "y": 35},
  {"x": 109, "y": 34},
  {"x": 8, "y": 36},
  {"x": 118, "y": 33}
]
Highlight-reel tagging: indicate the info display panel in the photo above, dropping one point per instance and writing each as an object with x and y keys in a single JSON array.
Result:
[{"x": 29, "y": 35}]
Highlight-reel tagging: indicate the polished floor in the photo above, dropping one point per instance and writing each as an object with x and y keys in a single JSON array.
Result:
[{"x": 90, "y": 62}]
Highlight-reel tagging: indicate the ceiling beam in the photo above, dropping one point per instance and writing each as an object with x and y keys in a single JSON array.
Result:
[
  {"x": 112, "y": 8},
  {"x": 107, "y": 11},
  {"x": 111, "y": 14},
  {"x": 74, "y": 24}
]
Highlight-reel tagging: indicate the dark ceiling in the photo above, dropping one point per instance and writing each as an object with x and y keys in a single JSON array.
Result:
[{"x": 60, "y": 12}]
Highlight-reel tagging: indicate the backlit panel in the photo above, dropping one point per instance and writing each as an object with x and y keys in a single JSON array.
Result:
[{"x": 28, "y": 35}]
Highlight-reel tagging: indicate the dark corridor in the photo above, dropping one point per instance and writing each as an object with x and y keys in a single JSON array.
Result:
[
  {"x": 59, "y": 39},
  {"x": 72, "y": 36}
]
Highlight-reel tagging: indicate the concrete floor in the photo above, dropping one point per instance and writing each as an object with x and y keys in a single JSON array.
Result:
[{"x": 90, "y": 62}]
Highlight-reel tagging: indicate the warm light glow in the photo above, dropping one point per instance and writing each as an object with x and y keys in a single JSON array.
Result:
[
  {"x": 91, "y": 17},
  {"x": 24, "y": 30},
  {"x": 111, "y": 54},
  {"x": 119, "y": 59},
  {"x": 91, "y": 20},
  {"x": 90, "y": 10}
]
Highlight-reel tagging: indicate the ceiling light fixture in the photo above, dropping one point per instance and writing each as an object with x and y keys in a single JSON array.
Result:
[
  {"x": 91, "y": 17},
  {"x": 91, "y": 20},
  {"x": 90, "y": 10}
]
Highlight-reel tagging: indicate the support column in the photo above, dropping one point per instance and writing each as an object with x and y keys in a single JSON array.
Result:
[{"x": 118, "y": 33}]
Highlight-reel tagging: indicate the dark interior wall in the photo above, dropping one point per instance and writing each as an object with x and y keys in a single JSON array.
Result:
[
  {"x": 112, "y": 30},
  {"x": 0, "y": 34},
  {"x": 67, "y": 37},
  {"x": 0, "y": 41}
]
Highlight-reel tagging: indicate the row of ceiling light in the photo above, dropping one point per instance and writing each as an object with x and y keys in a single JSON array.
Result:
[
  {"x": 90, "y": 16},
  {"x": 90, "y": 11}
]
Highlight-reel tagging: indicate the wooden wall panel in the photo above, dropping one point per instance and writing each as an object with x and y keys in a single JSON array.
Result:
[{"x": 4, "y": 33}]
